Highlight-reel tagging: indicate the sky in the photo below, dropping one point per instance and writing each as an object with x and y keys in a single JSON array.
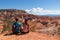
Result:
[{"x": 37, "y": 7}]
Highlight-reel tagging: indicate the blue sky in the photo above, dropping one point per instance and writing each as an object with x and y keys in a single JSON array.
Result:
[{"x": 32, "y": 6}]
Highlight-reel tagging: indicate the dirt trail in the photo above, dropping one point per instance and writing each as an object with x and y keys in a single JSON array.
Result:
[{"x": 30, "y": 36}]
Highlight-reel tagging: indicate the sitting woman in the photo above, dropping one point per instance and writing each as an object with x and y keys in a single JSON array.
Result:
[{"x": 25, "y": 27}]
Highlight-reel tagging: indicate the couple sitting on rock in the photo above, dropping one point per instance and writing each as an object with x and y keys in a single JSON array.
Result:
[{"x": 17, "y": 27}]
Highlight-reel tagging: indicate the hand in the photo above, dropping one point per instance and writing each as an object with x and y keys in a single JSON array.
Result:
[{"x": 22, "y": 27}]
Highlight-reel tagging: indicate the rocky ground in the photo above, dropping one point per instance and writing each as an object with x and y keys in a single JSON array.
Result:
[
  {"x": 30, "y": 36},
  {"x": 42, "y": 24}
]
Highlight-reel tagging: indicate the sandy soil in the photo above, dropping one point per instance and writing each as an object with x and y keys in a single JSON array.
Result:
[{"x": 30, "y": 36}]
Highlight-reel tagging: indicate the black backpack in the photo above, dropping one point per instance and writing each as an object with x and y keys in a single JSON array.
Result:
[{"x": 14, "y": 28}]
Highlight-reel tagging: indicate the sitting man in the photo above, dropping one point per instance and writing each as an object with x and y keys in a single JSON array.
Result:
[{"x": 16, "y": 26}]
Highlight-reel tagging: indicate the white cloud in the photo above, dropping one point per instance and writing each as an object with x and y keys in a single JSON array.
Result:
[{"x": 41, "y": 11}]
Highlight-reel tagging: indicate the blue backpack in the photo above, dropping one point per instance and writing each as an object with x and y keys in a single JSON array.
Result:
[{"x": 16, "y": 27}]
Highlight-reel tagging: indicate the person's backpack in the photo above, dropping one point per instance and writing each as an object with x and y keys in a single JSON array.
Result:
[{"x": 15, "y": 27}]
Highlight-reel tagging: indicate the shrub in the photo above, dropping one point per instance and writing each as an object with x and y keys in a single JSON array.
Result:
[
  {"x": 32, "y": 29},
  {"x": 59, "y": 30},
  {"x": 4, "y": 28},
  {"x": 9, "y": 26}
]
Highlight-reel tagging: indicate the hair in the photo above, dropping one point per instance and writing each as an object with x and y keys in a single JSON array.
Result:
[
  {"x": 26, "y": 19},
  {"x": 16, "y": 19}
]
